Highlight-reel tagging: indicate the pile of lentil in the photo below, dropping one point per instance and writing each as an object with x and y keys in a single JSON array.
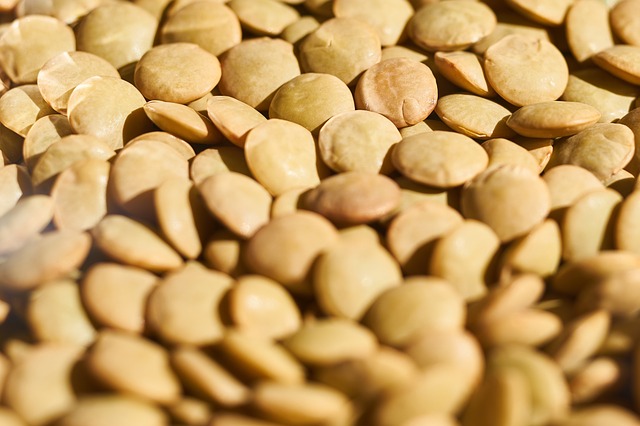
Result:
[{"x": 319, "y": 213}]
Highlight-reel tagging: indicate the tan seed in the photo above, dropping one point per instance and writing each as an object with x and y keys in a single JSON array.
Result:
[
  {"x": 134, "y": 244},
  {"x": 439, "y": 159},
  {"x": 116, "y": 295},
  {"x": 350, "y": 275},
  {"x": 353, "y": 198},
  {"x": 134, "y": 365},
  {"x": 414, "y": 93},
  {"x": 239, "y": 202},
  {"x": 55, "y": 255},
  {"x": 177, "y": 72},
  {"x": 184, "y": 298},
  {"x": 510, "y": 199}
]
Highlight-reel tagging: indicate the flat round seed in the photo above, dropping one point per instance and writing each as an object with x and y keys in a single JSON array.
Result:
[
  {"x": 527, "y": 327},
  {"x": 295, "y": 32},
  {"x": 463, "y": 256},
  {"x": 450, "y": 26},
  {"x": 603, "y": 149},
  {"x": 182, "y": 122},
  {"x": 138, "y": 170},
  {"x": 286, "y": 247},
  {"x": 31, "y": 41},
  {"x": 223, "y": 252},
  {"x": 135, "y": 244},
  {"x": 42, "y": 134},
  {"x": 208, "y": 378},
  {"x": 232, "y": 419},
  {"x": 62, "y": 73},
  {"x": 233, "y": 118},
  {"x": 55, "y": 314},
  {"x": 588, "y": 224},
  {"x": 459, "y": 347},
  {"x": 14, "y": 183},
  {"x": 510, "y": 199},
  {"x": 442, "y": 388},
  {"x": 621, "y": 61},
  {"x": 134, "y": 365},
  {"x": 401, "y": 314},
  {"x": 182, "y": 216},
  {"x": 239, "y": 202},
  {"x": 545, "y": 382},
  {"x": 547, "y": 12},
  {"x": 264, "y": 17},
  {"x": 302, "y": 404},
  {"x": 616, "y": 293},
  {"x": 55, "y": 255},
  {"x": 80, "y": 194},
  {"x": 65, "y": 153},
  {"x": 177, "y": 72},
  {"x": 350, "y": 275},
  {"x": 182, "y": 147},
  {"x": 210, "y": 25},
  {"x": 188, "y": 296},
  {"x": 567, "y": 183},
  {"x": 38, "y": 387},
  {"x": 538, "y": 252},
  {"x": 414, "y": 93},
  {"x": 221, "y": 159},
  {"x": 488, "y": 121},
  {"x": 519, "y": 61},
  {"x": 440, "y": 159},
  {"x": 353, "y": 198},
  {"x": 464, "y": 69},
  {"x": 388, "y": 18},
  {"x": 253, "y": 70},
  {"x": 609, "y": 95},
  {"x": 116, "y": 295},
  {"x": 625, "y": 22},
  {"x": 579, "y": 340},
  {"x": 343, "y": 47},
  {"x": 118, "y": 32},
  {"x": 261, "y": 359},
  {"x": 369, "y": 377},
  {"x": 282, "y": 156},
  {"x": 124, "y": 410},
  {"x": 503, "y": 151},
  {"x": 413, "y": 232},
  {"x": 511, "y": 296},
  {"x": 358, "y": 141},
  {"x": 588, "y": 28},
  {"x": 262, "y": 307},
  {"x": 504, "y": 395},
  {"x": 107, "y": 107},
  {"x": 24, "y": 222},
  {"x": 21, "y": 107},
  {"x": 330, "y": 341},
  {"x": 325, "y": 95},
  {"x": 583, "y": 273},
  {"x": 553, "y": 119}
]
